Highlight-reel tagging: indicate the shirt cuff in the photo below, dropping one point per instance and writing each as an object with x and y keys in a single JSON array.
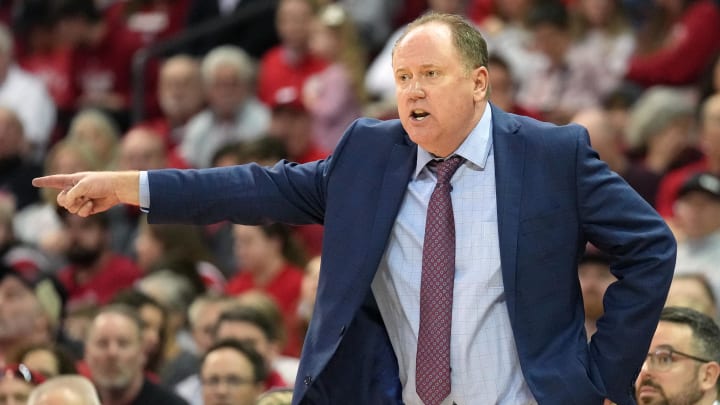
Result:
[{"x": 144, "y": 192}]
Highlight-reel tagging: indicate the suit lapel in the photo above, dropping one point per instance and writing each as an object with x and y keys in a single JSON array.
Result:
[{"x": 509, "y": 152}]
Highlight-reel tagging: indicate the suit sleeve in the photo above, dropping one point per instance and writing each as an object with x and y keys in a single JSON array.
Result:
[
  {"x": 617, "y": 220},
  {"x": 247, "y": 194}
]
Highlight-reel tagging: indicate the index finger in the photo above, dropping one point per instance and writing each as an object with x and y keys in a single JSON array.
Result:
[{"x": 58, "y": 181}]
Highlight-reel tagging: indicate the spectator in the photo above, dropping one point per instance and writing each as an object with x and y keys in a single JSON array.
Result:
[
  {"x": 595, "y": 278},
  {"x": 284, "y": 68},
  {"x": 16, "y": 383},
  {"x": 291, "y": 123},
  {"x": 115, "y": 358},
  {"x": 569, "y": 79},
  {"x": 180, "y": 95},
  {"x": 16, "y": 168},
  {"x": 233, "y": 113},
  {"x": 684, "y": 31},
  {"x": 202, "y": 317},
  {"x": 96, "y": 129},
  {"x": 335, "y": 95},
  {"x": 682, "y": 365},
  {"x": 504, "y": 87},
  {"x": 149, "y": 21},
  {"x": 94, "y": 273},
  {"x": 709, "y": 142},
  {"x": 27, "y": 96},
  {"x": 48, "y": 359},
  {"x": 658, "y": 137},
  {"x": 231, "y": 373},
  {"x": 606, "y": 142},
  {"x": 693, "y": 290},
  {"x": 271, "y": 262},
  {"x": 697, "y": 212},
  {"x": 65, "y": 390}
]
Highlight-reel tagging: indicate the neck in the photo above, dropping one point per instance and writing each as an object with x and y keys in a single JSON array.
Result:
[
  {"x": 122, "y": 396},
  {"x": 262, "y": 276}
]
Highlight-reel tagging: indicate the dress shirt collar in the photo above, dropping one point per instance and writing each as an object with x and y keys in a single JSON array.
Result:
[{"x": 475, "y": 148}]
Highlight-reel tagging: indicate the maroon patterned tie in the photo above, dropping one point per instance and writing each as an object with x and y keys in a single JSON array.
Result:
[{"x": 432, "y": 368}]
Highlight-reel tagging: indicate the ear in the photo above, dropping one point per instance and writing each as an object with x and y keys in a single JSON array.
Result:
[
  {"x": 481, "y": 79},
  {"x": 709, "y": 374}
]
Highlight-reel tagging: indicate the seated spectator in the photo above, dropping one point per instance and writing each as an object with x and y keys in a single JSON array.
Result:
[
  {"x": 154, "y": 328},
  {"x": 48, "y": 359},
  {"x": 149, "y": 21},
  {"x": 682, "y": 365},
  {"x": 681, "y": 31},
  {"x": 180, "y": 96},
  {"x": 595, "y": 278},
  {"x": 334, "y": 96},
  {"x": 202, "y": 317},
  {"x": 291, "y": 123},
  {"x": 603, "y": 138},
  {"x": 94, "y": 273},
  {"x": 97, "y": 130},
  {"x": 504, "y": 88},
  {"x": 65, "y": 390},
  {"x": 697, "y": 214},
  {"x": 233, "y": 113},
  {"x": 569, "y": 79},
  {"x": 284, "y": 68},
  {"x": 271, "y": 262},
  {"x": 27, "y": 96},
  {"x": 16, "y": 167},
  {"x": 658, "y": 138},
  {"x": 709, "y": 141},
  {"x": 16, "y": 383},
  {"x": 693, "y": 290},
  {"x": 115, "y": 358},
  {"x": 238, "y": 367}
]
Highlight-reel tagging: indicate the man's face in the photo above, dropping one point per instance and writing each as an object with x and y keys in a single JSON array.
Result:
[
  {"x": 114, "y": 352},
  {"x": 228, "y": 379},
  {"x": 13, "y": 390},
  {"x": 204, "y": 326},
  {"x": 680, "y": 384},
  {"x": 180, "y": 91},
  {"x": 697, "y": 214},
  {"x": 595, "y": 278},
  {"x": 11, "y": 137},
  {"x": 142, "y": 149},
  {"x": 87, "y": 240},
  {"x": 226, "y": 90},
  {"x": 439, "y": 101},
  {"x": 18, "y": 309},
  {"x": 293, "y": 23}
]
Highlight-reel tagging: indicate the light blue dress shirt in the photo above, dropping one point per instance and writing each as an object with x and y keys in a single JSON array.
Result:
[{"x": 484, "y": 361}]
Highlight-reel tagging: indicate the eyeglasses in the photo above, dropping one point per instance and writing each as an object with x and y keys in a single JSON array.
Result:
[
  {"x": 229, "y": 380},
  {"x": 663, "y": 357},
  {"x": 22, "y": 372}
]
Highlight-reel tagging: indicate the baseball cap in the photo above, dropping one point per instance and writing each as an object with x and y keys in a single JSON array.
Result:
[{"x": 703, "y": 182}]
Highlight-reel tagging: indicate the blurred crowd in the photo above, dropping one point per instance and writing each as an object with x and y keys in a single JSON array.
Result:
[{"x": 217, "y": 314}]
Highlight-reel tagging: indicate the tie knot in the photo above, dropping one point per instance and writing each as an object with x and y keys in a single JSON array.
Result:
[{"x": 446, "y": 168}]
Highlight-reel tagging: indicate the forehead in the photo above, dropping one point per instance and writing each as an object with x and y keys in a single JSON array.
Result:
[
  {"x": 113, "y": 325},
  {"x": 12, "y": 283},
  {"x": 239, "y": 330},
  {"x": 227, "y": 360},
  {"x": 430, "y": 43},
  {"x": 679, "y": 336}
]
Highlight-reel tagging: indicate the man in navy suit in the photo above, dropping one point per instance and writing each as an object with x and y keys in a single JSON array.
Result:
[{"x": 526, "y": 200}]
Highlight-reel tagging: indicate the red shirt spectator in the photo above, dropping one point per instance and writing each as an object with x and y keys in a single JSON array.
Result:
[
  {"x": 282, "y": 78},
  {"x": 114, "y": 274}
]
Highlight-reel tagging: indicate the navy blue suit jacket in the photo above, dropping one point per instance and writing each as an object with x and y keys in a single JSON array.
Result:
[{"x": 553, "y": 195}]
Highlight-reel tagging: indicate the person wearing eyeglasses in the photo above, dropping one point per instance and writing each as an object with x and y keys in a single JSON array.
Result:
[
  {"x": 682, "y": 365},
  {"x": 232, "y": 373},
  {"x": 16, "y": 383}
]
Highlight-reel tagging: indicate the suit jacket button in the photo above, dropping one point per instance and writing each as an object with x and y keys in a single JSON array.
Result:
[{"x": 307, "y": 380}]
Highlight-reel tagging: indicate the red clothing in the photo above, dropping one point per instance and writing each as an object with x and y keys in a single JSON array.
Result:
[
  {"x": 151, "y": 22},
  {"x": 279, "y": 80},
  {"x": 285, "y": 290},
  {"x": 54, "y": 69},
  {"x": 161, "y": 126},
  {"x": 312, "y": 154},
  {"x": 689, "y": 49},
  {"x": 274, "y": 380},
  {"x": 671, "y": 183},
  {"x": 116, "y": 273}
]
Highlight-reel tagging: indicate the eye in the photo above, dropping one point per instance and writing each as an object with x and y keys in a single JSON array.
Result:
[
  {"x": 433, "y": 73},
  {"x": 664, "y": 358},
  {"x": 402, "y": 77}
]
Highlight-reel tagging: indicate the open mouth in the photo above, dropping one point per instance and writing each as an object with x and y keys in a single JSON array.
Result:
[{"x": 419, "y": 115}]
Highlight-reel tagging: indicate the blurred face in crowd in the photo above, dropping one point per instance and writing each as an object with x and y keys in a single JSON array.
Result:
[
  {"x": 439, "y": 100},
  {"x": 253, "y": 248},
  {"x": 684, "y": 381},
  {"x": 43, "y": 361},
  {"x": 142, "y": 149},
  {"x": 12, "y": 141},
  {"x": 324, "y": 41},
  {"x": 148, "y": 248},
  {"x": 154, "y": 322},
  {"x": 226, "y": 90},
  {"x": 114, "y": 352},
  {"x": 87, "y": 240},
  {"x": 14, "y": 390},
  {"x": 180, "y": 91},
  {"x": 228, "y": 378},
  {"x": 689, "y": 291},
  {"x": 88, "y": 131},
  {"x": 292, "y": 21},
  {"x": 503, "y": 89},
  {"x": 710, "y": 134},
  {"x": 18, "y": 309},
  {"x": 597, "y": 12},
  {"x": 203, "y": 327},
  {"x": 697, "y": 214},
  {"x": 249, "y": 333},
  {"x": 595, "y": 278}
]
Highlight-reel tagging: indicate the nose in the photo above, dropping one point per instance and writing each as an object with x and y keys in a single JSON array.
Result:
[{"x": 416, "y": 90}]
